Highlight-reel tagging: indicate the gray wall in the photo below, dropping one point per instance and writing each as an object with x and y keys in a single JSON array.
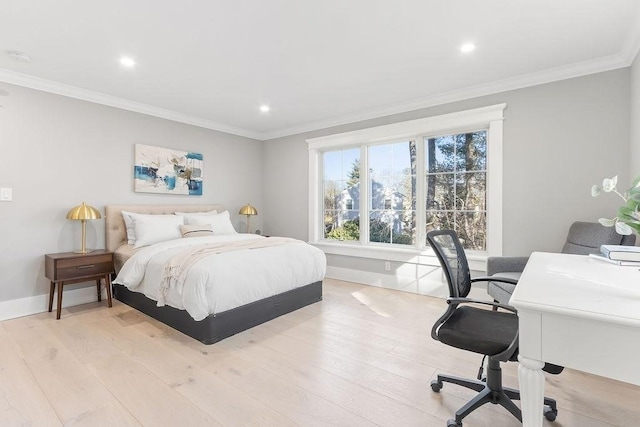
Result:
[
  {"x": 559, "y": 139},
  {"x": 635, "y": 118},
  {"x": 56, "y": 152}
]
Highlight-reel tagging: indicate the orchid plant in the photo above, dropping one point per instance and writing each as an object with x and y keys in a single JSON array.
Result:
[{"x": 628, "y": 218}]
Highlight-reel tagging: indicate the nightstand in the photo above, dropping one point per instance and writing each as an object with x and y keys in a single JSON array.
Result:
[{"x": 69, "y": 267}]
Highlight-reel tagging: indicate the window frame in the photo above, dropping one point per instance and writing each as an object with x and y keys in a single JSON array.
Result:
[{"x": 488, "y": 118}]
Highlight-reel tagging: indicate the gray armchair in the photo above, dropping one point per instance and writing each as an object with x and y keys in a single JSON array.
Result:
[{"x": 583, "y": 238}]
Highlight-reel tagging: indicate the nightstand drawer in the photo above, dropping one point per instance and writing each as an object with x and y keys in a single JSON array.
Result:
[
  {"x": 78, "y": 271},
  {"x": 70, "y": 266}
]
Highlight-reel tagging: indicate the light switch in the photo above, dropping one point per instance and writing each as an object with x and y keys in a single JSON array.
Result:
[{"x": 6, "y": 194}]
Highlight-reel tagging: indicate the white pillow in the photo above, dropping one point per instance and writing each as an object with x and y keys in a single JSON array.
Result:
[
  {"x": 220, "y": 223},
  {"x": 213, "y": 212},
  {"x": 128, "y": 222},
  {"x": 152, "y": 229}
]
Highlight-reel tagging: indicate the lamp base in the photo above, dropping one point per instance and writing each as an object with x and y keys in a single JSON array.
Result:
[{"x": 86, "y": 251}]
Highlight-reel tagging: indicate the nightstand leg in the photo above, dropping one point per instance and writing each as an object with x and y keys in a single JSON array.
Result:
[
  {"x": 52, "y": 289},
  {"x": 60, "y": 285},
  {"x": 99, "y": 282},
  {"x": 107, "y": 285}
]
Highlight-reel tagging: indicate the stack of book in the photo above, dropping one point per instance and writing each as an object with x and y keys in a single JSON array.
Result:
[{"x": 619, "y": 255}]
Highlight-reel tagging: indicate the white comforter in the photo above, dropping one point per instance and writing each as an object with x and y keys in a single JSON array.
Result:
[{"x": 226, "y": 280}]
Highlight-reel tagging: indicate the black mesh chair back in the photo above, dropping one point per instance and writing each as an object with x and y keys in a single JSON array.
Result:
[{"x": 450, "y": 253}]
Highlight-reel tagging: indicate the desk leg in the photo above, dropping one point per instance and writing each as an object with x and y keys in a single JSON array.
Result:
[
  {"x": 531, "y": 379},
  {"x": 99, "y": 285}
]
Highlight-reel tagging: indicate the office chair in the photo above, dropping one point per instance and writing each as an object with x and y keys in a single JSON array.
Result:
[{"x": 479, "y": 330}]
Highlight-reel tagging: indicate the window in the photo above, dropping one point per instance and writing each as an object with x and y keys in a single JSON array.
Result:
[
  {"x": 392, "y": 195},
  {"x": 456, "y": 182},
  {"x": 341, "y": 184},
  {"x": 384, "y": 188}
]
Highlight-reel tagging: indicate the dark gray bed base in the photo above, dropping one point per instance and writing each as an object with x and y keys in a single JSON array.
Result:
[{"x": 222, "y": 325}]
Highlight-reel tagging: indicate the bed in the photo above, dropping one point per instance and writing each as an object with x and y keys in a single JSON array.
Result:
[{"x": 210, "y": 286}]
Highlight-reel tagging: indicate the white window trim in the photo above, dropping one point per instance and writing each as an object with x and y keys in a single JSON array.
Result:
[{"x": 490, "y": 118}]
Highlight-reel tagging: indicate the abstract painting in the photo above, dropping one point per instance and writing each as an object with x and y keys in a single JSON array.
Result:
[{"x": 167, "y": 171}]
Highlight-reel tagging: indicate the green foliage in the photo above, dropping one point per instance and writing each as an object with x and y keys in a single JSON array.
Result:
[
  {"x": 628, "y": 218},
  {"x": 379, "y": 231},
  {"x": 354, "y": 174},
  {"x": 349, "y": 231}
]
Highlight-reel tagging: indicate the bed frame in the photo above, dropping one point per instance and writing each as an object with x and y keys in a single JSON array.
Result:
[{"x": 216, "y": 326}]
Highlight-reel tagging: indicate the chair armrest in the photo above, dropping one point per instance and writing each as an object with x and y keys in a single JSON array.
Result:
[
  {"x": 495, "y": 279},
  {"x": 501, "y": 264},
  {"x": 457, "y": 301}
]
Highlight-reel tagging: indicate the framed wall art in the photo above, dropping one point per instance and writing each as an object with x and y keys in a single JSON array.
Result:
[{"x": 165, "y": 171}]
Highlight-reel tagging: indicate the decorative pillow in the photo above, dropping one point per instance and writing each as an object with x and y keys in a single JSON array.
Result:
[
  {"x": 152, "y": 229},
  {"x": 196, "y": 230},
  {"x": 220, "y": 223},
  {"x": 213, "y": 212}
]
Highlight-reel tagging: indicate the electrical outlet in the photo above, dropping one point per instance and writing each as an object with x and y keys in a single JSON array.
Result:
[
  {"x": 387, "y": 266},
  {"x": 6, "y": 194}
]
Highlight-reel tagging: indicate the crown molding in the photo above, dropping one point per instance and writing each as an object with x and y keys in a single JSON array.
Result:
[
  {"x": 533, "y": 79},
  {"x": 50, "y": 86},
  {"x": 621, "y": 60}
]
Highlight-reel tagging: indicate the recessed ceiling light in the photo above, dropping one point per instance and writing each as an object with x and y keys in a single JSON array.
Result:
[
  {"x": 19, "y": 56},
  {"x": 264, "y": 108},
  {"x": 467, "y": 47},
  {"x": 128, "y": 62}
]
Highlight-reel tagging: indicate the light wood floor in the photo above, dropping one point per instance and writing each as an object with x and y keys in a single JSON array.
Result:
[{"x": 363, "y": 356}]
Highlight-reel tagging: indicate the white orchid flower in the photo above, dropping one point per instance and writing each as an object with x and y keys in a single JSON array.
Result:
[
  {"x": 607, "y": 222},
  {"x": 596, "y": 190},
  {"x": 609, "y": 184}
]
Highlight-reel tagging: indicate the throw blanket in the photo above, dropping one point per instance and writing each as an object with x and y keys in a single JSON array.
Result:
[{"x": 177, "y": 268}]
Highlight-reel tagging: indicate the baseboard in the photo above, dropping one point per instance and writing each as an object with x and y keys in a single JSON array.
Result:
[{"x": 40, "y": 303}]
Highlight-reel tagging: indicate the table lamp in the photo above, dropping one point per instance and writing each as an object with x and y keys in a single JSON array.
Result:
[
  {"x": 83, "y": 213},
  {"x": 248, "y": 210}
]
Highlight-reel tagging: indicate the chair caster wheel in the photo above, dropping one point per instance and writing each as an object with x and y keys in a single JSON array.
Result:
[
  {"x": 550, "y": 414},
  {"x": 436, "y": 386},
  {"x": 453, "y": 423}
]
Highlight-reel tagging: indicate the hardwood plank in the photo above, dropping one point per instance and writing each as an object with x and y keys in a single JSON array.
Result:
[
  {"x": 22, "y": 401},
  {"x": 143, "y": 394},
  {"x": 70, "y": 388},
  {"x": 362, "y": 356},
  {"x": 341, "y": 390},
  {"x": 285, "y": 396},
  {"x": 220, "y": 400}
]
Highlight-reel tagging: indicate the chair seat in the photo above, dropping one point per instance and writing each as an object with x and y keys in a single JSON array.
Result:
[
  {"x": 478, "y": 330},
  {"x": 501, "y": 291}
]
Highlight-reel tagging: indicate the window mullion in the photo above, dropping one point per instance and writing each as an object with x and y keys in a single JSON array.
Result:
[
  {"x": 364, "y": 195},
  {"x": 421, "y": 203}
]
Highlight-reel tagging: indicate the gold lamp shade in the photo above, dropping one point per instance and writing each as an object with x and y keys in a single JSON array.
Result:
[
  {"x": 248, "y": 210},
  {"x": 83, "y": 213}
]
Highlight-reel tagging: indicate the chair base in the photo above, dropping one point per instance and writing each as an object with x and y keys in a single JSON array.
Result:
[{"x": 490, "y": 391}]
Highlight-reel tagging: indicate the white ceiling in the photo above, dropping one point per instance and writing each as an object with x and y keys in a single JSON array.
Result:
[{"x": 316, "y": 63}]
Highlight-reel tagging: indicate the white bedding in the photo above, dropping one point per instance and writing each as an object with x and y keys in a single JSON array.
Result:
[{"x": 226, "y": 280}]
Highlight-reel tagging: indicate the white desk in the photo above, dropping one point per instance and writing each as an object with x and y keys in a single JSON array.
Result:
[{"x": 576, "y": 312}]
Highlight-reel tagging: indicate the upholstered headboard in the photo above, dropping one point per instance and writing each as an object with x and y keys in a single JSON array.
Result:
[{"x": 115, "y": 231}]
